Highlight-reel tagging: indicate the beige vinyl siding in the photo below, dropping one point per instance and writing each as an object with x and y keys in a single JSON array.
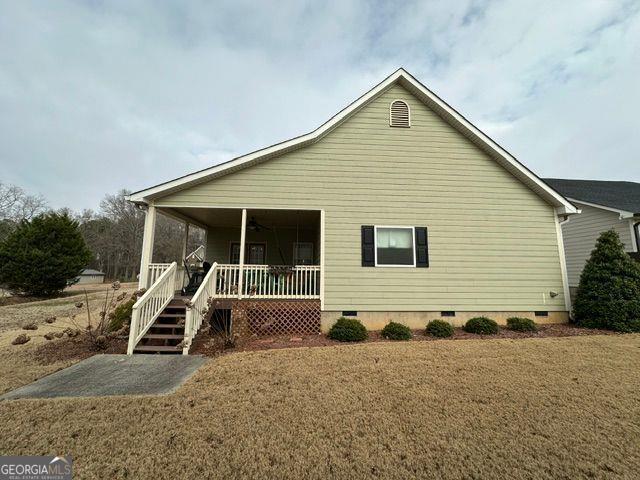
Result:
[
  {"x": 492, "y": 241},
  {"x": 581, "y": 232}
]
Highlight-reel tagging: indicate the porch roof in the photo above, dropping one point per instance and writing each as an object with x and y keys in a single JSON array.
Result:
[{"x": 232, "y": 217}]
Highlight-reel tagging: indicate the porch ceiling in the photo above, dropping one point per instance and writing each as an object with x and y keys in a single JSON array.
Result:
[{"x": 231, "y": 217}]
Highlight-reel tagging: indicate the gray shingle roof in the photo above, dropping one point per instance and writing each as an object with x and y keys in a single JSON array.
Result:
[
  {"x": 90, "y": 271},
  {"x": 619, "y": 195}
]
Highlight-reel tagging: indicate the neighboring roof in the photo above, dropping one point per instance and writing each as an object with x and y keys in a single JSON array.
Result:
[
  {"x": 620, "y": 196},
  {"x": 406, "y": 80},
  {"x": 89, "y": 271}
]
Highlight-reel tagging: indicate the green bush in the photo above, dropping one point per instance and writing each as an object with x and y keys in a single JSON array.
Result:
[
  {"x": 42, "y": 256},
  {"x": 481, "y": 325},
  {"x": 348, "y": 330},
  {"x": 608, "y": 294},
  {"x": 520, "y": 324},
  {"x": 396, "y": 331},
  {"x": 439, "y": 328},
  {"x": 121, "y": 315}
]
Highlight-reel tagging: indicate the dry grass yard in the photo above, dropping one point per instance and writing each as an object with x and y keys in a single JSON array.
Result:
[
  {"x": 533, "y": 408},
  {"x": 21, "y": 364}
]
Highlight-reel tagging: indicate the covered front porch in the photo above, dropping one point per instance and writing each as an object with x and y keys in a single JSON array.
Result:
[{"x": 248, "y": 255}]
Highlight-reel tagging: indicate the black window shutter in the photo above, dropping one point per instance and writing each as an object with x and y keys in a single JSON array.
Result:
[
  {"x": 422, "y": 247},
  {"x": 368, "y": 247}
]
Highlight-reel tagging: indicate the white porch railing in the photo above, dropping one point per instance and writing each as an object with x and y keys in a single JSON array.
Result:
[
  {"x": 264, "y": 281},
  {"x": 157, "y": 269},
  {"x": 151, "y": 304},
  {"x": 198, "y": 306}
]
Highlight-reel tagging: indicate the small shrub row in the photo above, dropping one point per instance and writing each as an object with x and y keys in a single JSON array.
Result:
[{"x": 352, "y": 330}]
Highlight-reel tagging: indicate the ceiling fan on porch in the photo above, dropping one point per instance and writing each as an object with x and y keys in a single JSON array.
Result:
[{"x": 253, "y": 225}]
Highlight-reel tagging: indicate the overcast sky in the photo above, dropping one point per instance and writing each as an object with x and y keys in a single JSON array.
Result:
[{"x": 98, "y": 96}]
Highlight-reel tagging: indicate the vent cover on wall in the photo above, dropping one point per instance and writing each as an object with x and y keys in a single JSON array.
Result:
[{"x": 399, "y": 114}]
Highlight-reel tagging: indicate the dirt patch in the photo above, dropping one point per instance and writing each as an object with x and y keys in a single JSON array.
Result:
[
  {"x": 13, "y": 316},
  {"x": 76, "y": 349},
  {"x": 564, "y": 407},
  {"x": 204, "y": 344}
]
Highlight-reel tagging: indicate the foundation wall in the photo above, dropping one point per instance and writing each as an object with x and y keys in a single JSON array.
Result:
[{"x": 418, "y": 320}]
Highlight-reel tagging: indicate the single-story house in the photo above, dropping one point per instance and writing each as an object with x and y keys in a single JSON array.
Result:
[
  {"x": 397, "y": 208},
  {"x": 604, "y": 205},
  {"x": 89, "y": 275}
]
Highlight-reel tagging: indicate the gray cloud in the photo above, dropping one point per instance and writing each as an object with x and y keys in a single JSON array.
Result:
[{"x": 96, "y": 96}]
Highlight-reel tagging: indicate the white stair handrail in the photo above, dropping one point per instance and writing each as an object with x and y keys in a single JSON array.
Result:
[
  {"x": 197, "y": 307},
  {"x": 150, "y": 305}
]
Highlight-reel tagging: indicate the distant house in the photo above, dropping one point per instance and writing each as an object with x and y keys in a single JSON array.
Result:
[
  {"x": 605, "y": 205},
  {"x": 90, "y": 276}
]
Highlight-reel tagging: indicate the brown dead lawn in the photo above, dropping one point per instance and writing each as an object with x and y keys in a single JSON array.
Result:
[
  {"x": 22, "y": 364},
  {"x": 526, "y": 408}
]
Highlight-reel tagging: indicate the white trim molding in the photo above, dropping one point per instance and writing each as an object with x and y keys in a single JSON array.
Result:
[
  {"x": 407, "y": 81},
  {"x": 375, "y": 245},
  {"x": 623, "y": 213},
  {"x": 322, "y": 241}
]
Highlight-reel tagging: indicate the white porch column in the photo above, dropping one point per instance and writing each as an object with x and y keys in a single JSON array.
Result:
[
  {"x": 185, "y": 243},
  {"x": 322, "y": 238},
  {"x": 147, "y": 245},
  {"x": 243, "y": 235}
]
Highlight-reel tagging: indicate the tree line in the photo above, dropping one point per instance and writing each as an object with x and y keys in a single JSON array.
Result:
[{"x": 113, "y": 233}]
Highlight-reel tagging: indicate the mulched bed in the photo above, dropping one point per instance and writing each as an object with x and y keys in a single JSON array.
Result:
[
  {"x": 205, "y": 345},
  {"x": 75, "y": 348}
]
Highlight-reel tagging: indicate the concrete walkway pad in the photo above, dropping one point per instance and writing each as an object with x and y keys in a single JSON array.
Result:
[{"x": 103, "y": 375}]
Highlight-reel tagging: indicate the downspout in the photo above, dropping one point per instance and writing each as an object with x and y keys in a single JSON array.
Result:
[
  {"x": 636, "y": 232},
  {"x": 563, "y": 262}
]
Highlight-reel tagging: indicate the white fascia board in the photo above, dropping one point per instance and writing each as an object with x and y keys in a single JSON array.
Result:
[
  {"x": 502, "y": 156},
  {"x": 623, "y": 213}
]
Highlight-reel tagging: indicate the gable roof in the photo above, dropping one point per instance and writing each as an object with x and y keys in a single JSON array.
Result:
[
  {"x": 620, "y": 196},
  {"x": 404, "y": 79},
  {"x": 90, "y": 271}
]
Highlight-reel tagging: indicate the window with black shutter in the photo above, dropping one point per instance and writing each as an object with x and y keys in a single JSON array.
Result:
[
  {"x": 422, "y": 247},
  {"x": 368, "y": 246},
  {"x": 392, "y": 246}
]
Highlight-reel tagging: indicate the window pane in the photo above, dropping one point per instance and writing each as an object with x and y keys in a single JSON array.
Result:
[
  {"x": 303, "y": 253},
  {"x": 394, "y": 246}
]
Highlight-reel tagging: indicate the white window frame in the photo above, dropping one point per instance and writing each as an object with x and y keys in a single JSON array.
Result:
[{"x": 375, "y": 244}]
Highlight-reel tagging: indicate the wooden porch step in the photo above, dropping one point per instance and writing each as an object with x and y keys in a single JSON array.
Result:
[
  {"x": 157, "y": 348},
  {"x": 172, "y": 315},
  {"x": 166, "y": 336},
  {"x": 166, "y": 325}
]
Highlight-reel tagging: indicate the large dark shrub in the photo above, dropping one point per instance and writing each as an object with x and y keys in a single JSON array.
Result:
[
  {"x": 439, "y": 328},
  {"x": 348, "y": 330},
  {"x": 608, "y": 295},
  {"x": 396, "y": 331},
  {"x": 481, "y": 325},
  {"x": 40, "y": 257},
  {"x": 121, "y": 315},
  {"x": 520, "y": 324}
]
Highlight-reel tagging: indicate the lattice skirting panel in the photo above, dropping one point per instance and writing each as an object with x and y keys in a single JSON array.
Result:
[{"x": 276, "y": 317}]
